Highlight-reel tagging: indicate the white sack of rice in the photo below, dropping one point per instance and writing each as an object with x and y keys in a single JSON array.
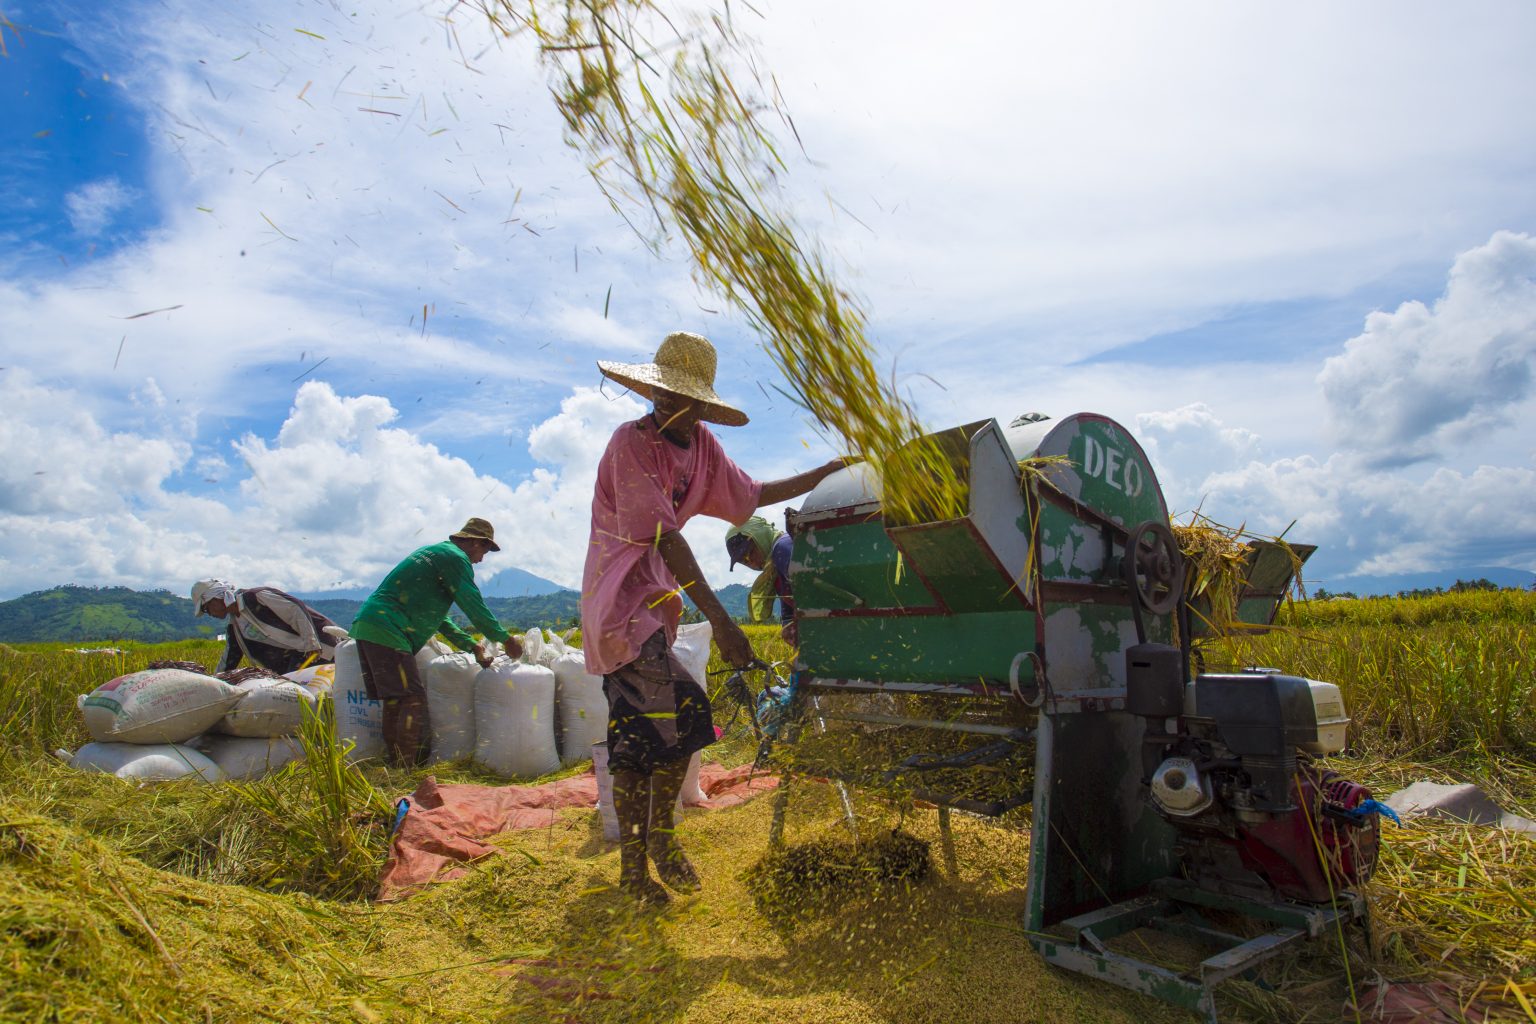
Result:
[
  {"x": 317, "y": 679},
  {"x": 450, "y": 683},
  {"x": 137, "y": 762},
  {"x": 163, "y": 705},
  {"x": 582, "y": 708},
  {"x": 515, "y": 719},
  {"x": 251, "y": 757},
  {"x": 689, "y": 794},
  {"x": 270, "y": 707},
  {"x": 359, "y": 721},
  {"x": 692, "y": 649}
]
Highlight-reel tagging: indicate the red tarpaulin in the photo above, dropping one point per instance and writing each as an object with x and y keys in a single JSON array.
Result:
[{"x": 445, "y": 824}]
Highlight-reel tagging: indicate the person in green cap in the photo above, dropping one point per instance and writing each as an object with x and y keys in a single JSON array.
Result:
[
  {"x": 400, "y": 617},
  {"x": 758, "y": 545}
]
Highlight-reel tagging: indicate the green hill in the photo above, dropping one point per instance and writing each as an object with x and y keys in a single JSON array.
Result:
[{"x": 71, "y": 614}]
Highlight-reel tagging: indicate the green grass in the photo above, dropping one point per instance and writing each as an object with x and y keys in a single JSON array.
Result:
[
  {"x": 1454, "y": 673},
  {"x": 258, "y": 891},
  {"x": 1514, "y": 607}
]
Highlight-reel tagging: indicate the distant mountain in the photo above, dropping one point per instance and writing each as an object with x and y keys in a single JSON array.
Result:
[
  {"x": 734, "y": 598},
  {"x": 72, "y": 613},
  {"x": 509, "y": 582},
  {"x": 1393, "y": 584},
  {"x": 78, "y": 614},
  {"x": 516, "y": 582}
]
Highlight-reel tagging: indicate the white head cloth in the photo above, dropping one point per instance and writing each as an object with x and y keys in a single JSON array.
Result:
[{"x": 204, "y": 591}]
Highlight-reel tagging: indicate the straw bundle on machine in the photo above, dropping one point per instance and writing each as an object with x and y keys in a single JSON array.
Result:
[{"x": 1217, "y": 560}]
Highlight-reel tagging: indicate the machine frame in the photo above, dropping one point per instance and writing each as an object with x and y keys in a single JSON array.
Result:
[{"x": 1098, "y": 564}]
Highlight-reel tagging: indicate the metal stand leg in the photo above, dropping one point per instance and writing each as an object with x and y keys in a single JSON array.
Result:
[
  {"x": 947, "y": 843},
  {"x": 780, "y": 806},
  {"x": 849, "y": 818}
]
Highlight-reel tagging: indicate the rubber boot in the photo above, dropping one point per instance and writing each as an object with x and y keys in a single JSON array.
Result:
[
  {"x": 391, "y": 730},
  {"x": 415, "y": 732},
  {"x": 632, "y": 806},
  {"x": 405, "y": 731},
  {"x": 671, "y": 863}
]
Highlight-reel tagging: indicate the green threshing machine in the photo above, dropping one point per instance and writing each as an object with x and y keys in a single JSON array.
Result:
[{"x": 1051, "y": 623}]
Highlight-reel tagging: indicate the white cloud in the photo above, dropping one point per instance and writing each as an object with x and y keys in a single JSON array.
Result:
[
  {"x": 289, "y": 219},
  {"x": 334, "y": 499},
  {"x": 1092, "y": 172},
  {"x": 1187, "y": 444},
  {"x": 1432, "y": 468},
  {"x": 93, "y": 206},
  {"x": 1365, "y": 517},
  {"x": 1370, "y": 521},
  {"x": 1066, "y": 180},
  {"x": 58, "y": 460},
  {"x": 1423, "y": 375}
]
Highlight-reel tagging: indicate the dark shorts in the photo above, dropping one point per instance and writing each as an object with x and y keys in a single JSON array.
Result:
[
  {"x": 657, "y": 712},
  {"x": 389, "y": 674}
]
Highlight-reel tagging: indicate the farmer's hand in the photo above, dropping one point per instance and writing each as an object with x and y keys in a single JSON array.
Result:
[
  {"x": 734, "y": 646},
  {"x": 513, "y": 647},
  {"x": 485, "y": 653}
]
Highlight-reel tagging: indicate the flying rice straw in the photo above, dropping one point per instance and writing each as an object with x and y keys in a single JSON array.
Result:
[{"x": 681, "y": 147}]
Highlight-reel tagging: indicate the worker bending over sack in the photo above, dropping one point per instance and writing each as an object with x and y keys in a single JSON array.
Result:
[
  {"x": 270, "y": 629},
  {"x": 756, "y": 544},
  {"x": 657, "y": 473},
  {"x": 400, "y": 617}
]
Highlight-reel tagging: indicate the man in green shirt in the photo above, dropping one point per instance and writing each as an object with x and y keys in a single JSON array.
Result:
[{"x": 400, "y": 617}]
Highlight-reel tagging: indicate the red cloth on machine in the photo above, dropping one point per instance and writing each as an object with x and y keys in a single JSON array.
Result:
[{"x": 446, "y": 823}]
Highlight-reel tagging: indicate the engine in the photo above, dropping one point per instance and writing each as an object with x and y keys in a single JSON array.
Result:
[{"x": 1228, "y": 762}]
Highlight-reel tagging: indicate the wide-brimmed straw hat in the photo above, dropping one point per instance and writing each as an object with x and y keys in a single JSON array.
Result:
[
  {"x": 477, "y": 529},
  {"x": 685, "y": 365}
]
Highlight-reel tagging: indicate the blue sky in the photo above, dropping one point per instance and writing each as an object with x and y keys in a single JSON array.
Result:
[
  {"x": 67, "y": 124},
  {"x": 1289, "y": 247}
]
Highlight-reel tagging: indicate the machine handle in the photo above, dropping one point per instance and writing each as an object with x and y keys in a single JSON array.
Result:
[
  {"x": 835, "y": 591},
  {"x": 1041, "y": 684}
]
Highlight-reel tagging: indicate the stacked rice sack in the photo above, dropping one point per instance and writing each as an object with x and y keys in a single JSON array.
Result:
[
  {"x": 171, "y": 723},
  {"x": 503, "y": 716},
  {"x": 174, "y": 723},
  {"x": 141, "y": 721},
  {"x": 530, "y": 716},
  {"x": 259, "y": 734}
]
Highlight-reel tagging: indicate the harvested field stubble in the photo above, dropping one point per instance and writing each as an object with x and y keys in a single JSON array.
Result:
[{"x": 539, "y": 934}]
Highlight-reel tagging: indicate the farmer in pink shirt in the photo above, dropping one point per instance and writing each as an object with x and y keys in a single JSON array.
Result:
[{"x": 657, "y": 473}]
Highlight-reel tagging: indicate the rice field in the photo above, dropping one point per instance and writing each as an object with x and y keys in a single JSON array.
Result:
[{"x": 182, "y": 902}]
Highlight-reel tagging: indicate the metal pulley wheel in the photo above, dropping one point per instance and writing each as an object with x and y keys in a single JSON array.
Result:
[{"x": 1154, "y": 567}]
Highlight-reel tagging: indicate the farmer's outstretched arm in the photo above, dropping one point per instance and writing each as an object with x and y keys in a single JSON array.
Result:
[
  {"x": 775, "y": 491},
  {"x": 733, "y": 644}
]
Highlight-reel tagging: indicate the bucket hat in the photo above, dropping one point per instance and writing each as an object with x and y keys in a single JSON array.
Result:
[
  {"x": 684, "y": 365},
  {"x": 477, "y": 529}
]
